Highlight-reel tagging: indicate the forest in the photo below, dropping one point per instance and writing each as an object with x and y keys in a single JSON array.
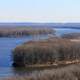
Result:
[
  {"x": 24, "y": 31},
  {"x": 46, "y": 52}
]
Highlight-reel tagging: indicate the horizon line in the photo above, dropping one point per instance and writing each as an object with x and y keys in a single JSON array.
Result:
[{"x": 38, "y": 22}]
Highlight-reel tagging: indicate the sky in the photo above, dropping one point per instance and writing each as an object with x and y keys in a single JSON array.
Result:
[{"x": 40, "y": 11}]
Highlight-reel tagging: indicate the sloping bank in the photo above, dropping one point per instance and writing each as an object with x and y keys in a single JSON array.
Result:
[{"x": 46, "y": 53}]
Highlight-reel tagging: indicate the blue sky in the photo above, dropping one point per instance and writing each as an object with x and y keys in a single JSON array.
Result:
[{"x": 39, "y": 10}]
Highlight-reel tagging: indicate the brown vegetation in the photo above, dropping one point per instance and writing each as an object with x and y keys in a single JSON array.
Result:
[
  {"x": 46, "y": 52},
  {"x": 71, "y": 72},
  {"x": 24, "y": 31}
]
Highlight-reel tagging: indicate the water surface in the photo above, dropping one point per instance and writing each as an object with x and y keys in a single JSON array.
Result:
[
  {"x": 6, "y": 47},
  {"x": 8, "y": 44},
  {"x": 61, "y": 31}
]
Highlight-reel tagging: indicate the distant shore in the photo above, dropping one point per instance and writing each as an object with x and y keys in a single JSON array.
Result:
[{"x": 24, "y": 31}]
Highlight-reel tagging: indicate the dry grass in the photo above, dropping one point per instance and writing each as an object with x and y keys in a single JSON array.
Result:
[{"x": 71, "y": 72}]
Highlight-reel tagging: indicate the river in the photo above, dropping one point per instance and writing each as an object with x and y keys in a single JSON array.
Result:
[{"x": 8, "y": 44}]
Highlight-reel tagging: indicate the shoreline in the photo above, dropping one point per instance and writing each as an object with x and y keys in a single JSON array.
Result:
[
  {"x": 24, "y": 31},
  {"x": 53, "y": 65},
  {"x": 47, "y": 53}
]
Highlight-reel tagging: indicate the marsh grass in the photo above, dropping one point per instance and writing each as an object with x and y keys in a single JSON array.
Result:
[{"x": 71, "y": 72}]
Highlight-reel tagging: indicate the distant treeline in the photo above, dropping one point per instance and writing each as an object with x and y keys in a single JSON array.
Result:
[
  {"x": 49, "y": 25},
  {"x": 24, "y": 31},
  {"x": 46, "y": 52}
]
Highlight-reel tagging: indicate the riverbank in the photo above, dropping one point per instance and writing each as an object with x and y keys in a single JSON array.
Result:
[
  {"x": 71, "y": 35},
  {"x": 24, "y": 31},
  {"x": 71, "y": 72}
]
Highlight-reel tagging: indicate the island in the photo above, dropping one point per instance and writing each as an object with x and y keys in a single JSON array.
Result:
[
  {"x": 46, "y": 53},
  {"x": 24, "y": 31}
]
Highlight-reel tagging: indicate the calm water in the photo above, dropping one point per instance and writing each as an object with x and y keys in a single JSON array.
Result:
[
  {"x": 6, "y": 47},
  {"x": 8, "y": 44},
  {"x": 60, "y": 31}
]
